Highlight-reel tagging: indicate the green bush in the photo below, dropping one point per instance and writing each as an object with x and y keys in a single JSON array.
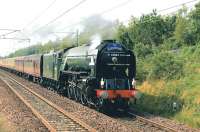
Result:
[
  {"x": 142, "y": 50},
  {"x": 170, "y": 44},
  {"x": 142, "y": 70},
  {"x": 165, "y": 66}
]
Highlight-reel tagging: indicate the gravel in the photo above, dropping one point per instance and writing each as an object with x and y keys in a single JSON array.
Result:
[
  {"x": 180, "y": 127},
  {"x": 174, "y": 124},
  {"x": 18, "y": 115},
  {"x": 97, "y": 120},
  {"x": 93, "y": 118}
]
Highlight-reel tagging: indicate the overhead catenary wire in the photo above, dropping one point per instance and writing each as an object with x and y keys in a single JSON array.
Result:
[
  {"x": 154, "y": 19},
  {"x": 175, "y": 6},
  {"x": 61, "y": 15},
  {"x": 40, "y": 14},
  {"x": 149, "y": 20},
  {"x": 8, "y": 29},
  {"x": 48, "y": 7},
  {"x": 11, "y": 32},
  {"x": 115, "y": 7},
  {"x": 36, "y": 18},
  {"x": 126, "y": 2},
  {"x": 103, "y": 12},
  {"x": 24, "y": 39}
]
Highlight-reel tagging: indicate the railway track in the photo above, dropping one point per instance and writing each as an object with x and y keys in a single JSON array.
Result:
[
  {"x": 155, "y": 124},
  {"x": 142, "y": 123},
  {"x": 137, "y": 122},
  {"x": 51, "y": 115}
]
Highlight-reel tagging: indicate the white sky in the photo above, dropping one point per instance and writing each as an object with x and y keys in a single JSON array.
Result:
[{"x": 16, "y": 14}]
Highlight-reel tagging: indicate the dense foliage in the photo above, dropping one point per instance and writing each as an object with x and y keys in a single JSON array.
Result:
[
  {"x": 162, "y": 90},
  {"x": 166, "y": 66},
  {"x": 168, "y": 54}
]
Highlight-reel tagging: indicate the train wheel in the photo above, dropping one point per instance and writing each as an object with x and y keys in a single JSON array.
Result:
[
  {"x": 49, "y": 88},
  {"x": 75, "y": 94},
  {"x": 58, "y": 89},
  {"x": 99, "y": 104},
  {"x": 123, "y": 104},
  {"x": 63, "y": 91},
  {"x": 83, "y": 99},
  {"x": 78, "y": 93},
  {"x": 89, "y": 102},
  {"x": 68, "y": 93},
  {"x": 71, "y": 92},
  {"x": 41, "y": 81}
]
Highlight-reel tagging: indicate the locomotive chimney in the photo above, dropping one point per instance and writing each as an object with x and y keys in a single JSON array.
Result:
[{"x": 109, "y": 41}]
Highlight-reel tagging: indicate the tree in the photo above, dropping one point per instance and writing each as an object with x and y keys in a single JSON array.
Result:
[
  {"x": 195, "y": 22},
  {"x": 149, "y": 29},
  {"x": 184, "y": 33},
  {"x": 123, "y": 36}
]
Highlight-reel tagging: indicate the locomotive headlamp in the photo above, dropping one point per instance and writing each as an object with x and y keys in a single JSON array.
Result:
[
  {"x": 102, "y": 83},
  {"x": 133, "y": 83},
  {"x": 91, "y": 61}
]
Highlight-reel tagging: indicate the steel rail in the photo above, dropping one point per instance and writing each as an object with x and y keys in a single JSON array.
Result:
[
  {"x": 159, "y": 125},
  {"x": 38, "y": 115}
]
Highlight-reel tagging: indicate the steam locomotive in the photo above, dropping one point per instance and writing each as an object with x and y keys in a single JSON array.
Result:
[{"x": 102, "y": 75}]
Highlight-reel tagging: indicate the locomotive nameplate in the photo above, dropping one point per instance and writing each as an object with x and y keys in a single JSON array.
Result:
[{"x": 117, "y": 54}]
